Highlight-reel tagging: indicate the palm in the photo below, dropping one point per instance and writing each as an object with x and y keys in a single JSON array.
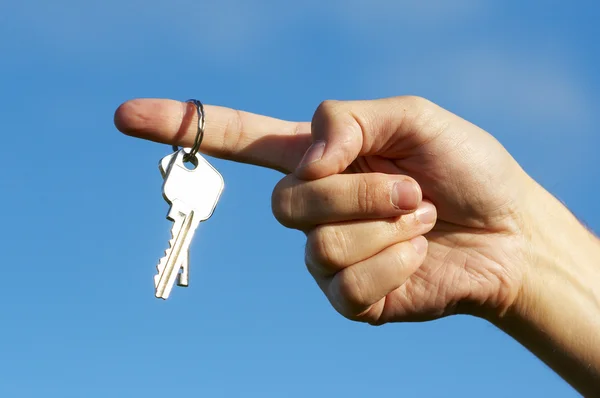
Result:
[{"x": 468, "y": 263}]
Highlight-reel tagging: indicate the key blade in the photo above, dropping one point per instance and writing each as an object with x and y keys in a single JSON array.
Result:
[
  {"x": 177, "y": 218},
  {"x": 176, "y": 256},
  {"x": 183, "y": 279}
]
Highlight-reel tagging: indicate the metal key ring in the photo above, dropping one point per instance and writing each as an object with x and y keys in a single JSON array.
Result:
[{"x": 199, "y": 135}]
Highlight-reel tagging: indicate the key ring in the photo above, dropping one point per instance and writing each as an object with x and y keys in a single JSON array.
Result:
[{"x": 199, "y": 135}]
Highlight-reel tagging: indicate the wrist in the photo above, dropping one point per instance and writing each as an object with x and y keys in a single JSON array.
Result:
[
  {"x": 556, "y": 313},
  {"x": 562, "y": 256}
]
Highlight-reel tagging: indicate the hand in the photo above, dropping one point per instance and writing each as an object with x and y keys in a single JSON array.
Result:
[
  {"x": 358, "y": 248},
  {"x": 497, "y": 244},
  {"x": 477, "y": 250}
]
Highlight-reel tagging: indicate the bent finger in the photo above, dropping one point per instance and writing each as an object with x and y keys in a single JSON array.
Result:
[
  {"x": 332, "y": 247},
  {"x": 343, "y": 197},
  {"x": 389, "y": 127},
  {"x": 358, "y": 292}
]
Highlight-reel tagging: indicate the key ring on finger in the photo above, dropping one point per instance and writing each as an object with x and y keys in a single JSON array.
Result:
[{"x": 199, "y": 134}]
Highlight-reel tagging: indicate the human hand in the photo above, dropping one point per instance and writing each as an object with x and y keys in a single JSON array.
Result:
[
  {"x": 478, "y": 251},
  {"x": 359, "y": 244},
  {"x": 497, "y": 244}
]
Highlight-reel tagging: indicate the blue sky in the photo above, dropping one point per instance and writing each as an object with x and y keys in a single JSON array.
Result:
[{"x": 84, "y": 220}]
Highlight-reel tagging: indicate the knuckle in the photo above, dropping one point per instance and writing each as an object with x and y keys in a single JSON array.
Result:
[
  {"x": 401, "y": 257},
  {"x": 328, "y": 107},
  {"x": 372, "y": 194},
  {"x": 233, "y": 134},
  {"x": 425, "y": 112},
  {"x": 327, "y": 247},
  {"x": 417, "y": 101},
  {"x": 350, "y": 294},
  {"x": 404, "y": 225},
  {"x": 327, "y": 111},
  {"x": 376, "y": 321},
  {"x": 364, "y": 196},
  {"x": 282, "y": 202},
  {"x": 400, "y": 225}
]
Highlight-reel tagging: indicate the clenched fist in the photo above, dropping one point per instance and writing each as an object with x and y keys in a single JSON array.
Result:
[
  {"x": 376, "y": 178},
  {"x": 364, "y": 237}
]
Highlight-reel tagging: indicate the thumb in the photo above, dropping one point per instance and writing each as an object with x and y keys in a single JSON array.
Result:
[{"x": 342, "y": 131}]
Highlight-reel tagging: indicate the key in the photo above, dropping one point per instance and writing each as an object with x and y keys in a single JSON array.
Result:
[
  {"x": 164, "y": 165},
  {"x": 193, "y": 195},
  {"x": 183, "y": 278}
]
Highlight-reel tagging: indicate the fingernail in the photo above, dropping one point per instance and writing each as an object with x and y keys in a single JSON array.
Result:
[
  {"x": 426, "y": 213},
  {"x": 405, "y": 195},
  {"x": 313, "y": 154},
  {"x": 420, "y": 244}
]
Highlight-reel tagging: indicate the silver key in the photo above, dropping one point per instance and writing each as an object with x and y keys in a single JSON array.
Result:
[{"x": 193, "y": 195}]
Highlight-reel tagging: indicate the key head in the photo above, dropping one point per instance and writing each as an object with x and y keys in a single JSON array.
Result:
[
  {"x": 165, "y": 164},
  {"x": 197, "y": 185}
]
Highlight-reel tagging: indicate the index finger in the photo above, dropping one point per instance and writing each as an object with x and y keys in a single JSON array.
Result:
[{"x": 228, "y": 134}]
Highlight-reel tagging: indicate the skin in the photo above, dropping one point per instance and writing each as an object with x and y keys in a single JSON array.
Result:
[{"x": 411, "y": 214}]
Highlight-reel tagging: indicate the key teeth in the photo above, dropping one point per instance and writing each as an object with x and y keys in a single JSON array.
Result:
[
  {"x": 161, "y": 263},
  {"x": 180, "y": 215}
]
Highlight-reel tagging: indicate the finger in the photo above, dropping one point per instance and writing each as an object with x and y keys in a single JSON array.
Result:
[
  {"x": 229, "y": 134},
  {"x": 345, "y": 130},
  {"x": 358, "y": 292},
  {"x": 332, "y": 247},
  {"x": 343, "y": 197}
]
